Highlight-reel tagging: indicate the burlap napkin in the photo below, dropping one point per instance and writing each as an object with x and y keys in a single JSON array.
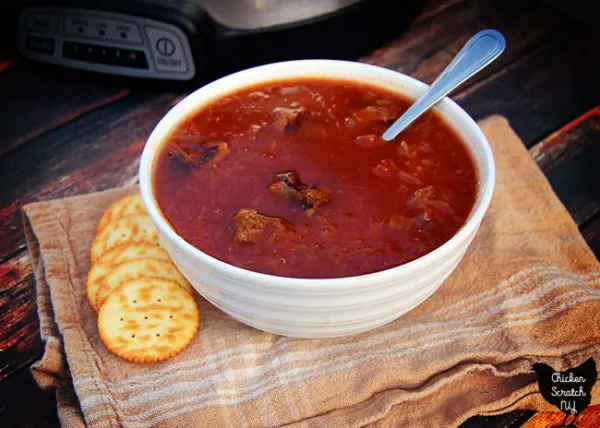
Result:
[{"x": 527, "y": 291}]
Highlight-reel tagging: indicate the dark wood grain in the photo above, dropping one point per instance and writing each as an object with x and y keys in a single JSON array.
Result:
[
  {"x": 586, "y": 11},
  {"x": 434, "y": 7},
  {"x": 588, "y": 418},
  {"x": 591, "y": 232},
  {"x": 513, "y": 419},
  {"x": 20, "y": 341},
  {"x": 543, "y": 90},
  {"x": 428, "y": 47},
  {"x": 58, "y": 99},
  {"x": 23, "y": 404},
  {"x": 570, "y": 158},
  {"x": 98, "y": 151}
]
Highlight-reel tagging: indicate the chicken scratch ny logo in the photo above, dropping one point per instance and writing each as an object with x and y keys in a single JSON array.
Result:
[{"x": 569, "y": 390}]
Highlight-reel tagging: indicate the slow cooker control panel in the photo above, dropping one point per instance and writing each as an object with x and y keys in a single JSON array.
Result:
[{"x": 106, "y": 42}]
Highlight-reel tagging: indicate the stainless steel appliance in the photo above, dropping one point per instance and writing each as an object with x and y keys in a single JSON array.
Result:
[{"x": 185, "y": 39}]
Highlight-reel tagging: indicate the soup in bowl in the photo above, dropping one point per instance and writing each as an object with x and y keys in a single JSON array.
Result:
[{"x": 276, "y": 197}]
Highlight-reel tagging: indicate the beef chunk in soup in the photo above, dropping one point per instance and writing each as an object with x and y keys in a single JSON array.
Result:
[
  {"x": 290, "y": 185},
  {"x": 251, "y": 225},
  {"x": 288, "y": 119},
  {"x": 196, "y": 157},
  {"x": 384, "y": 114}
]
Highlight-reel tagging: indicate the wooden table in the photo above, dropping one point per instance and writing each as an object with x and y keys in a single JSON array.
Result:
[{"x": 67, "y": 133}]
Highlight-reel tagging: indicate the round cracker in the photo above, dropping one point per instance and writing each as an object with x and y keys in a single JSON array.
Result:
[
  {"x": 139, "y": 268},
  {"x": 130, "y": 228},
  {"x": 147, "y": 320},
  {"x": 131, "y": 204},
  {"x": 116, "y": 255}
]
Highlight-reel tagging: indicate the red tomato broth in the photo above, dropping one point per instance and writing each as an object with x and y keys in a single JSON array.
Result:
[{"x": 390, "y": 202}]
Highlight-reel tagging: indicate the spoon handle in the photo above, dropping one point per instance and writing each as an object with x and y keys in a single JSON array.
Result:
[{"x": 477, "y": 53}]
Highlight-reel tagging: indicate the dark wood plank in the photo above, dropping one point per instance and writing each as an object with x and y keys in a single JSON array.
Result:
[
  {"x": 24, "y": 405},
  {"x": 427, "y": 48},
  {"x": 591, "y": 232},
  {"x": 434, "y": 7},
  {"x": 512, "y": 419},
  {"x": 588, "y": 418},
  {"x": 545, "y": 89},
  {"x": 569, "y": 158},
  {"x": 19, "y": 327},
  {"x": 586, "y": 11},
  {"x": 36, "y": 101},
  {"x": 100, "y": 150}
]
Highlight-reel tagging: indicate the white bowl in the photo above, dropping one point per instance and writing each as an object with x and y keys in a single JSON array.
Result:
[{"x": 314, "y": 308}]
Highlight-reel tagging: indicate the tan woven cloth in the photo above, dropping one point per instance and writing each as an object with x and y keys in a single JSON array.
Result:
[{"x": 527, "y": 291}]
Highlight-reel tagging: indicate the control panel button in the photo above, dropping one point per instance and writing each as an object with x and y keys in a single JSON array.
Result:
[
  {"x": 106, "y": 55},
  {"x": 165, "y": 46},
  {"x": 167, "y": 50},
  {"x": 102, "y": 29},
  {"x": 124, "y": 32},
  {"x": 42, "y": 23},
  {"x": 39, "y": 44},
  {"x": 77, "y": 25},
  {"x": 131, "y": 58}
]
